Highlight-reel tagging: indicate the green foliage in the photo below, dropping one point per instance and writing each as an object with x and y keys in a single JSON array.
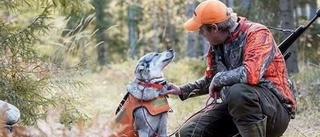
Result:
[
  {"x": 25, "y": 93},
  {"x": 65, "y": 91},
  {"x": 18, "y": 65},
  {"x": 68, "y": 6},
  {"x": 256, "y": 11},
  {"x": 25, "y": 76},
  {"x": 156, "y": 30},
  {"x": 158, "y": 25}
]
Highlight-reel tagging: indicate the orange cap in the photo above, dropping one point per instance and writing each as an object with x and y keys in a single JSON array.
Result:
[{"x": 207, "y": 12}]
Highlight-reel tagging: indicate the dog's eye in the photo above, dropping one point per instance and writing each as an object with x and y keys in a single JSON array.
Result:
[{"x": 148, "y": 59}]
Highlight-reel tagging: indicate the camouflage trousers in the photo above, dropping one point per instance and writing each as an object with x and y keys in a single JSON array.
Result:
[{"x": 243, "y": 105}]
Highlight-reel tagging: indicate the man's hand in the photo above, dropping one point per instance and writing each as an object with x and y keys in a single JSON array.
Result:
[
  {"x": 172, "y": 89},
  {"x": 214, "y": 90}
]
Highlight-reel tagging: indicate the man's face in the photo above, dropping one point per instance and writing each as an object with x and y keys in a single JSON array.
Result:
[{"x": 212, "y": 35}]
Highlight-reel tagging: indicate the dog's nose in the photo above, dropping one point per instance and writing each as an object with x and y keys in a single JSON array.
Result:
[{"x": 171, "y": 50}]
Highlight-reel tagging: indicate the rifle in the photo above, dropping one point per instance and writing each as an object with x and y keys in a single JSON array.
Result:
[{"x": 284, "y": 45}]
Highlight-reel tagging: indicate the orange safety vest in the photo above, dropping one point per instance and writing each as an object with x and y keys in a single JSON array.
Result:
[{"x": 125, "y": 116}]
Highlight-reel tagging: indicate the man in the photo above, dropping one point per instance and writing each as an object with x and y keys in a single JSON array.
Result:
[{"x": 246, "y": 69}]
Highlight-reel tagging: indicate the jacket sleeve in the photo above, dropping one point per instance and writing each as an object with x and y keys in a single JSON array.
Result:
[
  {"x": 197, "y": 88},
  {"x": 260, "y": 50}
]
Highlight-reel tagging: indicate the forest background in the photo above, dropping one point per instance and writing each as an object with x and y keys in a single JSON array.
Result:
[{"x": 78, "y": 55}]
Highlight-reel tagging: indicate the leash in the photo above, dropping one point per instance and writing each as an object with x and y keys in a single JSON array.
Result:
[
  {"x": 208, "y": 103},
  {"x": 144, "y": 113},
  {"x": 152, "y": 85}
]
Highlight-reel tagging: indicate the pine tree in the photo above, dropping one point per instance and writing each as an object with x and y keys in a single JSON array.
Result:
[{"x": 23, "y": 73}]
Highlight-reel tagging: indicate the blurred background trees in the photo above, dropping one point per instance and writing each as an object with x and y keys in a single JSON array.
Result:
[
  {"x": 135, "y": 27},
  {"x": 45, "y": 43}
]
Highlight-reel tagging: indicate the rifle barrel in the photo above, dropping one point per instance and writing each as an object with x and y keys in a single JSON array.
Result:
[{"x": 284, "y": 45}]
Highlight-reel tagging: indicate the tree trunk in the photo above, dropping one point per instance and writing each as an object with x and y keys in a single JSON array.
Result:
[
  {"x": 191, "y": 36},
  {"x": 155, "y": 39},
  {"x": 170, "y": 29},
  {"x": 99, "y": 6},
  {"x": 131, "y": 31},
  {"x": 134, "y": 17},
  {"x": 287, "y": 22}
]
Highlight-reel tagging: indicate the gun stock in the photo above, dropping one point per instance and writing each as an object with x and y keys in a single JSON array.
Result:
[{"x": 284, "y": 45}]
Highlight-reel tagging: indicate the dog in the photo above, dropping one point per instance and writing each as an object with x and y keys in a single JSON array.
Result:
[{"x": 143, "y": 110}]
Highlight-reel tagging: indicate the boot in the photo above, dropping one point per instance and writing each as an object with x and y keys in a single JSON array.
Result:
[{"x": 254, "y": 130}]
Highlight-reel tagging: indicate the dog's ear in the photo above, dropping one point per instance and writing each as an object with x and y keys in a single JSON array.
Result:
[
  {"x": 140, "y": 67},
  {"x": 142, "y": 71}
]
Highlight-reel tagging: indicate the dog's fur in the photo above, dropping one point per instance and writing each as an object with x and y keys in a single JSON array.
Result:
[{"x": 149, "y": 70}]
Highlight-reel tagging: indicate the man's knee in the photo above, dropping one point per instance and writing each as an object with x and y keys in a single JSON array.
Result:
[
  {"x": 238, "y": 92},
  {"x": 242, "y": 101}
]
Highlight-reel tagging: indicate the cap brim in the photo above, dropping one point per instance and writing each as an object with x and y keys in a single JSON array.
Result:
[{"x": 191, "y": 25}]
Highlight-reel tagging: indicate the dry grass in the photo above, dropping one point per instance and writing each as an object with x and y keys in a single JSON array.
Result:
[
  {"x": 51, "y": 127},
  {"x": 105, "y": 90}
]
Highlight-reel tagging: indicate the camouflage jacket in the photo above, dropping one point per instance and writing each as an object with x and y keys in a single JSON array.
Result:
[{"x": 249, "y": 55}]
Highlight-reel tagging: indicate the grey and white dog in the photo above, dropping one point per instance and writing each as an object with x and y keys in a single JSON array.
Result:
[{"x": 149, "y": 82}]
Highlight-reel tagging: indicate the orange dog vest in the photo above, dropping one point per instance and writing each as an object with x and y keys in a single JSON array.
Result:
[{"x": 124, "y": 118}]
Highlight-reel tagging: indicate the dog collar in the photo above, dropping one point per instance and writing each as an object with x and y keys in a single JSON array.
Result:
[{"x": 151, "y": 85}]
